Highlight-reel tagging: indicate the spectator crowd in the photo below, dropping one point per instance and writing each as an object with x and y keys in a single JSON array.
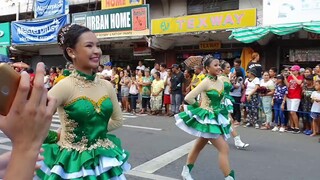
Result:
[{"x": 263, "y": 99}]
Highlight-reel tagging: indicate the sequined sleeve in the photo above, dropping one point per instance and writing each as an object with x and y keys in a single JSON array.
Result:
[
  {"x": 61, "y": 91},
  {"x": 191, "y": 96},
  {"x": 116, "y": 119}
]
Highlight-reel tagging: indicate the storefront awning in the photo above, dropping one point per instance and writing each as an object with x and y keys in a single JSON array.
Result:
[{"x": 252, "y": 34}]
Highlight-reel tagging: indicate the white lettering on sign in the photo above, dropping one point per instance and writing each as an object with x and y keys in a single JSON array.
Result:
[
  {"x": 1, "y": 33},
  {"x": 98, "y": 22},
  {"x": 120, "y": 20}
]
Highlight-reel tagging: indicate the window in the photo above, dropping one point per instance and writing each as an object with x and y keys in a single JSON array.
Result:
[{"x": 208, "y": 6}]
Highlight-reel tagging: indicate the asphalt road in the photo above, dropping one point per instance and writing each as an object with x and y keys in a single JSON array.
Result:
[{"x": 159, "y": 149}]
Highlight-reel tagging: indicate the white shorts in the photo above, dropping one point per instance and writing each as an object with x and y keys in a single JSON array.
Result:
[{"x": 293, "y": 104}]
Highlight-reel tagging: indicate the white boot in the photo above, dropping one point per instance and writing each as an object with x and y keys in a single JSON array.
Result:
[
  {"x": 186, "y": 173},
  {"x": 238, "y": 143},
  {"x": 230, "y": 176}
]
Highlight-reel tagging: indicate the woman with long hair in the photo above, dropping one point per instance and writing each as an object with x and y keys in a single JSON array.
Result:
[
  {"x": 224, "y": 77},
  {"x": 208, "y": 121},
  {"x": 88, "y": 110}
]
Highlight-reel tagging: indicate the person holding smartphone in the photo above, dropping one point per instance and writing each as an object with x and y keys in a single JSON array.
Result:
[{"x": 27, "y": 125}]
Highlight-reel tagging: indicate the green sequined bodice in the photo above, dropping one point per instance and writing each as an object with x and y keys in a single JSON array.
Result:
[
  {"x": 215, "y": 98},
  {"x": 89, "y": 118},
  {"x": 227, "y": 87}
]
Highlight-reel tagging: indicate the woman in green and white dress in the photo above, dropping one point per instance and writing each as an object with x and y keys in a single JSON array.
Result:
[
  {"x": 209, "y": 121},
  {"x": 88, "y": 110}
]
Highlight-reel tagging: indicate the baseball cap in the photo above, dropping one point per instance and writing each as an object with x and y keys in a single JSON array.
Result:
[
  {"x": 175, "y": 66},
  {"x": 108, "y": 64},
  {"x": 295, "y": 68},
  {"x": 280, "y": 77},
  {"x": 253, "y": 71}
]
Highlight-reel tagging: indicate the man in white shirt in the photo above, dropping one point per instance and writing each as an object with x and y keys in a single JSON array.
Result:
[
  {"x": 155, "y": 69},
  {"x": 107, "y": 72},
  {"x": 140, "y": 66},
  {"x": 163, "y": 72}
]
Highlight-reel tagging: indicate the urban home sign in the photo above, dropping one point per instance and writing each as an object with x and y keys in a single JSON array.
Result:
[
  {"x": 205, "y": 22},
  {"x": 129, "y": 21}
]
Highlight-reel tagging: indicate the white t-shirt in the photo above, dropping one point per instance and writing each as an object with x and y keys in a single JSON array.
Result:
[
  {"x": 163, "y": 75},
  {"x": 269, "y": 84},
  {"x": 167, "y": 88},
  {"x": 153, "y": 71},
  {"x": 107, "y": 73},
  {"x": 141, "y": 67},
  {"x": 250, "y": 86},
  {"x": 315, "y": 106},
  {"x": 47, "y": 81},
  {"x": 237, "y": 92}
]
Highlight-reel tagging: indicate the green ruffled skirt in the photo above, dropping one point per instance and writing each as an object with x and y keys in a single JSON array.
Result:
[
  {"x": 204, "y": 123},
  {"x": 100, "y": 163}
]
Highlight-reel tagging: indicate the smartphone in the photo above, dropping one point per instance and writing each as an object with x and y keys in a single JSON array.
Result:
[{"x": 9, "y": 83}]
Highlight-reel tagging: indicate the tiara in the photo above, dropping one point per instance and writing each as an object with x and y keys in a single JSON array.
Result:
[
  {"x": 63, "y": 32},
  {"x": 207, "y": 57}
]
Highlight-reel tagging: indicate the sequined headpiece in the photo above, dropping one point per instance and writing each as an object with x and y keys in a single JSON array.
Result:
[
  {"x": 63, "y": 32},
  {"x": 206, "y": 57}
]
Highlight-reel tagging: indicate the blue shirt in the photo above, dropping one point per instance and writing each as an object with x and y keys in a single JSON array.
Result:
[{"x": 280, "y": 92}]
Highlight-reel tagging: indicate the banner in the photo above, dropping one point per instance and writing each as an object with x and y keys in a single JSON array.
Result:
[
  {"x": 130, "y": 21},
  {"x": 110, "y": 4},
  {"x": 205, "y": 22},
  {"x": 37, "y": 32},
  {"x": 5, "y": 34},
  {"x": 45, "y": 8},
  {"x": 290, "y": 11}
]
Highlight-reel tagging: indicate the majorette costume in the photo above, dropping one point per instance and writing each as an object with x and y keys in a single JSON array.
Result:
[
  {"x": 210, "y": 118},
  {"x": 85, "y": 149}
]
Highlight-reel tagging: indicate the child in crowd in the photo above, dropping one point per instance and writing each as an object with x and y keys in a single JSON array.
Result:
[
  {"x": 279, "y": 100},
  {"x": 308, "y": 88},
  {"x": 315, "y": 109}
]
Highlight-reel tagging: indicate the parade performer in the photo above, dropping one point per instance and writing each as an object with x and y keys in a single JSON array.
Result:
[
  {"x": 88, "y": 110},
  {"x": 225, "y": 66},
  {"x": 208, "y": 121}
]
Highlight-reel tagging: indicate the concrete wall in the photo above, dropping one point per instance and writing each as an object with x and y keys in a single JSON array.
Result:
[
  {"x": 258, "y": 4},
  {"x": 167, "y": 8}
]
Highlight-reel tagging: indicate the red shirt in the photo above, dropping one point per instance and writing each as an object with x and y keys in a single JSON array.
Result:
[{"x": 294, "y": 90}]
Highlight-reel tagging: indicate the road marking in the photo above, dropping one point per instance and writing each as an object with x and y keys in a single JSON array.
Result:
[
  {"x": 4, "y": 140},
  {"x": 126, "y": 116},
  {"x": 142, "y": 127},
  {"x": 148, "y": 176},
  {"x": 159, "y": 162}
]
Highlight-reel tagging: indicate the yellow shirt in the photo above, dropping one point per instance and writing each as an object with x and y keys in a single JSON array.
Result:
[
  {"x": 157, "y": 86},
  {"x": 196, "y": 79},
  {"x": 59, "y": 78}
]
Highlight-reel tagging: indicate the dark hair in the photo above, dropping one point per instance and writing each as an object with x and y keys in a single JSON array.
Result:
[
  {"x": 30, "y": 71},
  {"x": 163, "y": 65},
  {"x": 310, "y": 77},
  {"x": 318, "y": 81},
  {"x": 68, "y": 36},
  {"x": 157, "y": 73},
  {"x": 207, "y": 60},
  {"x": 266, "y": 72},
  {"x": 142, "y": 72},
  {"x": 309, "y": 69},
  {"x": 223, "y": 64},
  {"x": 47, "y": 71},
  {"x": 102, "y": 66},
  {"x": 274, "y": 69},
  {"x": 190, "y": 71},
  {"x": 54, "y": 69},
  {"x": 60, "y": 68},
  {"x": 68, "y": 65},
  {"x": 238, "y": 72},
  {"x": 237, "y": 60}
]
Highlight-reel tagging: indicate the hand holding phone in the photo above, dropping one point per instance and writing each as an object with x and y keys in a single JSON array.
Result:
[{"x": 9, "y": 83}]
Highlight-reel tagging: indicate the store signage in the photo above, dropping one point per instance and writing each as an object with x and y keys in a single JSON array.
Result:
[
  {"x": 290, "y": 11},
  {"x": 5, "y": 34},
  {"x": 313, "y": 36},
  {"x": 45, "y": 8},
  {"x": 205, "y": 22},
  {"x": 210, "y": 45},
  {"x": 110, "y": 4},
  {"x": 129, "y": 21},
  {"x": 37, "y": 32}
]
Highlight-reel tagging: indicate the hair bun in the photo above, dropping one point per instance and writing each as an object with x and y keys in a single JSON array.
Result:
[{"x": 63, "y": 31}]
